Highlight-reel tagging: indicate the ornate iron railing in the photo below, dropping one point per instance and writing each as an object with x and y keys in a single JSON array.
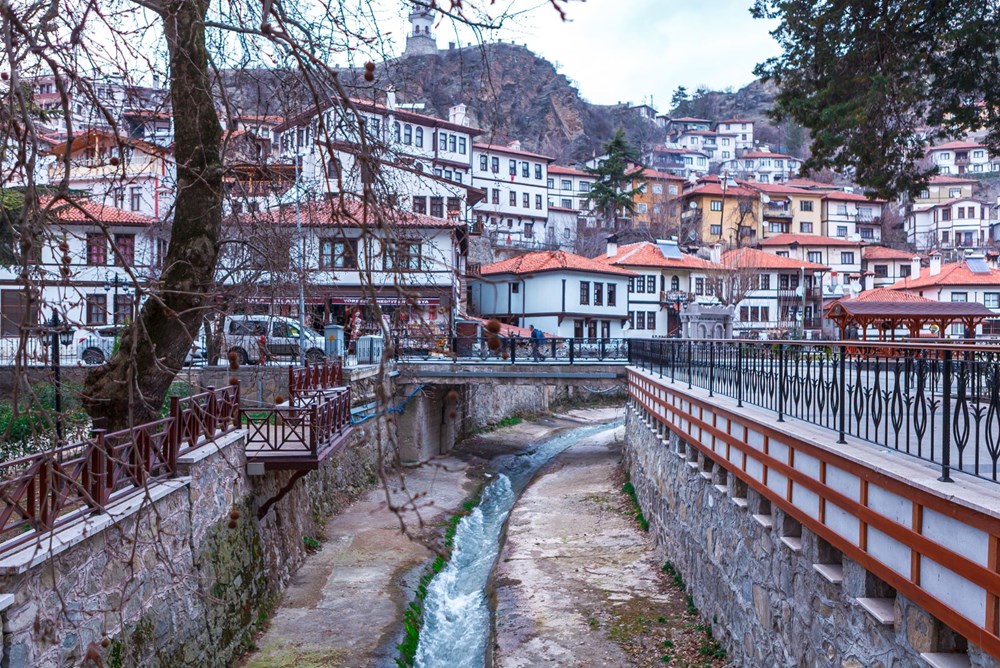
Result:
[
  {"x": 939, "y": 403},
  {"x": 51, "y": 489},
  {"x": 303, "y": 431},
  {"x": 512, "y": 349},
  {"x": 306, "y": 382}
]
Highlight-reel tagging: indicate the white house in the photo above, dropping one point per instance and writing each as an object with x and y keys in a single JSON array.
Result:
[
  {"x": 960, "y": 223},
  {"x": 763, "y": 166},
  {"x": 888, "y": 265},
  {"x": 842, "y": 256},
  {"x": 741, "y": 129},
  {"x": 852, "y": 216},
  {"x": 515, "y": 208},
  {"x": 971, "y": 280},
  {"x": 963, "y": 157},
  {"x": 569, "y": 188},
  {"x": 558, "y": 292},
  {"x": 666, "y": 279}
]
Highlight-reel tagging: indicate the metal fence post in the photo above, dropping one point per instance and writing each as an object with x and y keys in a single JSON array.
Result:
[
  {"x": 946, "y": 419},
  {"x": 690, "y": 362},
  {"x": 842, "y": 402},
  {"x": 661, "y": 360},
  {"x": 711, "y": 368},
  {"x": 781, "y": 382},
  {"x": 513, "y": 349},
  {"x": 571, "y": 351},
  {"x": 739, "y": 374}
]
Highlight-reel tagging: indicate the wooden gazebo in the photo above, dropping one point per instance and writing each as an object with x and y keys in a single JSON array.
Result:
[{"x": 888, "y": 310}]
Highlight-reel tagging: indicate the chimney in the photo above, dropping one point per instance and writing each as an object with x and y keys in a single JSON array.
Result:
[
  {"x": 869, "y": 280},
  {"x": 516, "y": 145},
  {"x": 935, "y": 263},
  {"x": 612, "y": 246},
  {"x": 457, "y": 114},
  {"x": 915, "y": 267},
  {"x": 715, "y": 254},
  {"x": 390, "y": 99}
]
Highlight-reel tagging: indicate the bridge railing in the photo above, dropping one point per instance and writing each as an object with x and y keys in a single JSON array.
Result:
[
  {"x": 298, "y": 431},
  {"x": 306, "y": 383},
  {"x": 513, "y": 350},
  {"x": 51, "y": 489},
  {"x": 937, "y": 402}
]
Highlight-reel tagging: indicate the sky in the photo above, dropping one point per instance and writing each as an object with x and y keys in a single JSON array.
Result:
[{"x": 634, "y": 50}]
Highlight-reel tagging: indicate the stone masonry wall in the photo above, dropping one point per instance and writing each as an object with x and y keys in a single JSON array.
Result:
[
  {"x": 174, "y": 584},
  {"x": 766, "y": 602}
]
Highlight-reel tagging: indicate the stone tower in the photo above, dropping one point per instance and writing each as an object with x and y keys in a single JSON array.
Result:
[{"x": 421, "y": 40}]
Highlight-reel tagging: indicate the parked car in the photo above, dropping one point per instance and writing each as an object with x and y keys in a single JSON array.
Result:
[
  {"x": 96, "y": 346},
  {"x": 256, "y": 337}
]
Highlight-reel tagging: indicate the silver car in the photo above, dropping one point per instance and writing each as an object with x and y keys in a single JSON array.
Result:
[{"x": 97, "y": 346}]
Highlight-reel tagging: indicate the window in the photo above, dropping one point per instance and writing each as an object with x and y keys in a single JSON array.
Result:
[
  {"x": 453, "y": 143},
  {"x": 529, "y": 230},
  {"x": 782, "y": 253},
  {"x": 841, "y": 230},
  {"x": 526, "y": 200},
  {"x": 538, "y": 202},
  {"x": 585, "y": 186},
  {"x": 538, "y": 172},
  {"x": 640, "y": 285},
  {"x": 420, "y": 205},
  {"x": 584, "y": 292},
  {"x": 407, "y": 134},
  {"x": 764, "y": 281},
  {"x": 954, "y": 192},
  {"x": 991, "y": 299},
  {"x": 513, "y": 167},
  {"x": 642, "y": 207},
  {"x": 640, "y": 320},
  {"x": 495, "y": 164},
  {"x": 496, "y": 196},
  {"x": 631, "y": 285},
  {"x": 847, "y": 257},
  {"x": 437, "y": 207},
  {"x": 716, "y": 205},
  {"x": 841, "y": 209},
  {"x": 657, "y": 188},
  {"x": 960, "y": 296},
  {"x": 97, "y": 250},
  {"x": 651, "y": 284},
  {"x": 612, "y": 297},
  {"x": 403, "y": 255},
  {"x": 961, "y": 212},
  {"x": 675, "y": 283},
  {"x": 551, "y": 183},
  {"x": 815, "y": 257},
  {"x": 904, "y": 270},
  {"x": 566, "y": 184},
  {"x": 97, "y": 309},
  {"x": 483, "y": 163},
  {"x": 805, "y": 206},
  {"x": 525, "y": 167},
  {"x": 462, "y": 145},
  {"x": 945, "y": 214},
  {"x": 882, "y": 271},
  {"x": 512, "y": 196},
  {"x": 454, "y": 205},
  {"x": 944, "y": 237},
  {"x": 338, "y": 253},
  {"x": 419, "y": 138},
  {"x": 135, "y": 198},
  {"x": 123, "y": 309},
  {"x": 651, "y": 320},
  {"x": 805, "y": 227},
  {"x": 567, "y": 204},
  {"x": 515, "y": 288},
  {"x": 598, "y": 294},
  {"x": 125, "y": 243},
  {"x": 14, "y": 312},
  {"x": 699, "y": 286},
  {"x": 716, "y": 230}
]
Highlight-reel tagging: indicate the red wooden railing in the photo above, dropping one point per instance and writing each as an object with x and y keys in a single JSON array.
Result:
[
  {"x": 305, "y": 382},
  {"x": 299, "y": 431},
  {"x": 50, "y": 489}
]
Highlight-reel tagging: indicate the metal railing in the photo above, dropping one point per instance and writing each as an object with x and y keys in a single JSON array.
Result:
[
  {"x": 298, "y": 431},
  {"x": 939, "y": 403},
  {"x": 306, "y": 383},
  {"x": 512, "y": 350},
  {"x": 51, "y": 489}
]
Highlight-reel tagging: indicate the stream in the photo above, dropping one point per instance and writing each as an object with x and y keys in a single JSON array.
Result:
[{"x": 456, "y": 621}]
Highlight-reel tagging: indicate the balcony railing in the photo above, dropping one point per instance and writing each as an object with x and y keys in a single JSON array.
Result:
[
  {"x": 675, "y": 296},
  {"x": 793, "y": 294},
  {"x": 773, "y": 211}
]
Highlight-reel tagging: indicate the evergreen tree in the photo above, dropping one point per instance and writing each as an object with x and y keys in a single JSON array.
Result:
[
  {"x": 868, "y": 77},
  {"x": 612, "y": 194},
  {"x": 679, "y": 101}
]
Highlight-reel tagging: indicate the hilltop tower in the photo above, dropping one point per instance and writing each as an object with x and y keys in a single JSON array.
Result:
[{"x": 421, "y": 40}]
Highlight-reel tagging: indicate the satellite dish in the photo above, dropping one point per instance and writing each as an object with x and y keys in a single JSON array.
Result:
[
  {"x": 693, "y": 205},
  {"x": 798, "y": 291},
  {"x": 764, "y": 198}
]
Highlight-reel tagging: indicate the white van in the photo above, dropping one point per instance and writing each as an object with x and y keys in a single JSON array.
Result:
[{"x": 253, "y": 337}]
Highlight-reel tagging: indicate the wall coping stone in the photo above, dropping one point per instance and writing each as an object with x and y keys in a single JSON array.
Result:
[
  {"x": 6, "y": 600},
  {"x": 832, "y": 573},
  {"x": 980, "y": 495},
  {"x": 205, "y": 451},
  {"x": 882, "y": 609},
  {"x": 946, "y": 660},
  {"x": 52, "y": 544}
]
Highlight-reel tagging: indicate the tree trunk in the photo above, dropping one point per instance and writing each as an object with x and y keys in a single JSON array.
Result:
[{"x": 130, "y": 389}]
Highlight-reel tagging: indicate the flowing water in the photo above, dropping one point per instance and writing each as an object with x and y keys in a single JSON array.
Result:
[{"x": 456, "y": 622}]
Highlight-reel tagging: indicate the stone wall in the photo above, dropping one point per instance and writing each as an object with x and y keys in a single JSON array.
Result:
[
  {"x": 755, "y": 580},
  {"x": 189, "y": 575}
]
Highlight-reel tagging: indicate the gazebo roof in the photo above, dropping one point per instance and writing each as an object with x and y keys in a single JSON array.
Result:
[{"x": 887, "y": 309}]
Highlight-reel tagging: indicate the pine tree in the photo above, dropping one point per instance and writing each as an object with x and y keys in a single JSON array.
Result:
[{"x": 612, "y": 195}]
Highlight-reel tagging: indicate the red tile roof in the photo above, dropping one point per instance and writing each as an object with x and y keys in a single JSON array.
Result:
[
  {"x": 955, "y": 145},
  {"x": 953, "y": 273},
  {"x": 809, "y": 183},
  {"x": 764, "y": 154},
  {"x": 86, "y": 212},
  {"x": 942, "y": 179},
  {"x": 736, "y": 120},
  {"x": 851, "y": 197},
  {"x": 781, "y": 189},
  {"x": 688, "y": 119},
  {"x": 712, "y": 188},
  {"x": 751, "y": 258},
  {"x": 807, "y": 240},
  {"x": 498, "y": 148},
  {"x": 539, "y": 261},
  {"x": 883, "y": 253},
  {"x": 347, "y": 213},
  {"x": 567, "y": 171},
  {"x": 885, "y": 295},
  {"x": 647, "y": 254}
]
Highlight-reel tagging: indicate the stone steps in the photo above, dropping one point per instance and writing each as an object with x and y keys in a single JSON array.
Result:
[
  {"x": 882, "y": 609},
  {"x": 832, "y": 573}
]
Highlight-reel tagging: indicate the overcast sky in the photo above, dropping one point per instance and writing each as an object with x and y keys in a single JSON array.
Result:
[{"x": 629, "y": 50}]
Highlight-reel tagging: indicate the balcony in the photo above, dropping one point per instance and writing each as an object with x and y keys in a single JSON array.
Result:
[
  {"x": 675, "y": 297},
  {"x": 792, "y": 294},
  {"x": 777, "y": 211}
]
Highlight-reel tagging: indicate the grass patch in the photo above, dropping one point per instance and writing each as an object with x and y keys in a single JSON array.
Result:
[
  {"x": 312, "y": 545},
  {"x": 629, "y": 490}
]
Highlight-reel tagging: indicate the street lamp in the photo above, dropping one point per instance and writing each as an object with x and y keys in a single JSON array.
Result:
[
  {"x": 112, "y": 281},
  {"x": 59, "y": 335}
]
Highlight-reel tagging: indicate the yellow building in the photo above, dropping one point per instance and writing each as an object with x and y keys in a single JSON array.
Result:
[
  {"x": 726, "y": 212},
  {"x": 657, "y": 202},
  {"x": 788, "y": 210}
]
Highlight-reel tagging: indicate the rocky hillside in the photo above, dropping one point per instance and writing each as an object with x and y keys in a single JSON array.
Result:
[{"x": 511, "y": 93}]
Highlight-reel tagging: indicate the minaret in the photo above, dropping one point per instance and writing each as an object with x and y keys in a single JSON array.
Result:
[{"x": 421, "y": 40}]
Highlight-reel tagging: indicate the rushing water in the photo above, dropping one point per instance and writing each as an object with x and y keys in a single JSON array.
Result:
[{"x": 456, "y": 622}]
